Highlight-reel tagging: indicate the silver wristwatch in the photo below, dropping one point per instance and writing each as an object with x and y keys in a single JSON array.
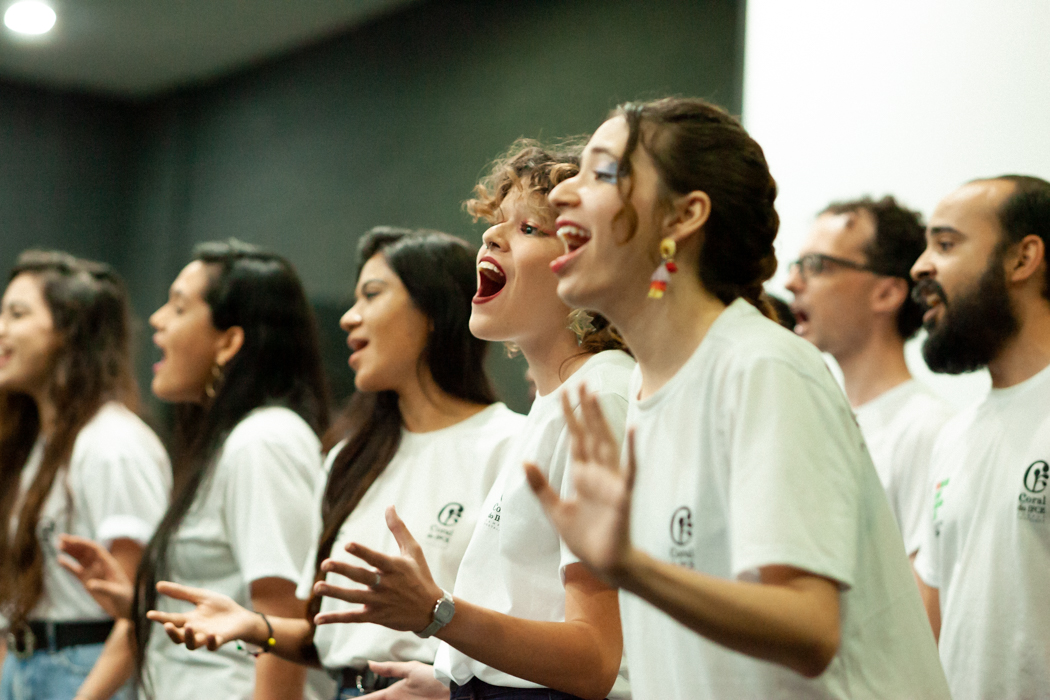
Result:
[{"x": 443, "y": 612}]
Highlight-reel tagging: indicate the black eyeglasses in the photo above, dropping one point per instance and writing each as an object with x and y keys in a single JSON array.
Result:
[{"x": 812, "y": 264}]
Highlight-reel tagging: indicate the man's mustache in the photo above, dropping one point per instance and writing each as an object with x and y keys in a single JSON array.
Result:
[{"x": 925, "y": 288}]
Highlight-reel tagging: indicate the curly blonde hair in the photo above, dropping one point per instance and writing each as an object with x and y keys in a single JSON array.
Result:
[{"x": 535, "y": 169}]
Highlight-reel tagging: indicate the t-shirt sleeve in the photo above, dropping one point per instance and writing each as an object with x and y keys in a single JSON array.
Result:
[
  {"x": 269, "y": 504},
  {"x": 124, "y": 483},
  {"x": 913, "y": 493},
  {"x": 928, "y": 559},
  {"x": 614, "y": 408},
  {"x": 794, "y": 455}
]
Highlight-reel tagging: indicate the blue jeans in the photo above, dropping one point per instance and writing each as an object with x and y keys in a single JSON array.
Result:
[{"x": 50, "y": 675}]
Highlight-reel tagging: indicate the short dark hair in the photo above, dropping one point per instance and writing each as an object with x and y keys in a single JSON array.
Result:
[
  {"x": 1026, "y": 212},
  {"x": 900, "y": 238}
]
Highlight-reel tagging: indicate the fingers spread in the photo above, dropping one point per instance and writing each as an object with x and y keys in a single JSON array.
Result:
[
  {"x": 390, "y": 669},
  {"x": 71, "y": 565},
  {"x": 576, "y": 432},
  {"x": 380, "y": 561},
  {"x": 344, "y": 617},
  {"x": 540, "y": 486},
  {"x": 354, "y": 573},
  {"x": 166, "y": 618},
  {"x": 177, "y": 590},
  {"x": 408, "y": 545},
  {"x": 108, "y": 588},
  {"x": 632, "y": 465},
  {"x": 350, "y": 595},
  {"x": 174, "y": 633}
]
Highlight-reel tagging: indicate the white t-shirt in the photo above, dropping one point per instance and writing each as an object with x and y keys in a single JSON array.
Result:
[
  {"x": 987, "y": 544},
  {"x": 250, "y": 520},
  {"x": 750, "y": 457},
  {"x": 437, "y": 481},
  {"x": 515, "y": 558},
  {"x": 117, "y": 486},
  {"x": 900, "y": 427}
]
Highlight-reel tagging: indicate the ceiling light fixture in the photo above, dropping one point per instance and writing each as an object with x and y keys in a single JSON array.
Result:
[{"x": 29, "y": 17}]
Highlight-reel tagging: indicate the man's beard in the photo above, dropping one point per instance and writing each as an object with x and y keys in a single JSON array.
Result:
[{"x": 973, "y": 328}]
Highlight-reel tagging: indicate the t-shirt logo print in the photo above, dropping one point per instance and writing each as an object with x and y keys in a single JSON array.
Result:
[
  {"x": 680, "y": 552},
  {"x": 450, "y": 514},
  {"x": 441, "y": 533},
  {"x": 1030, "y": 505},
  {"x": 682, "y": 526},
  {"x": 1037, "y": 476}
]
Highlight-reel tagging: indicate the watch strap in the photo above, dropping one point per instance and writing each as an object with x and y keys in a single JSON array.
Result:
[{"x": 440, "y": 619}]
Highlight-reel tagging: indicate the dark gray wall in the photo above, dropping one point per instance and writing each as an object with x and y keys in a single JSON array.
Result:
[
  {"x": 63, "y": 173},
  {"x": 390, "y": 124}
]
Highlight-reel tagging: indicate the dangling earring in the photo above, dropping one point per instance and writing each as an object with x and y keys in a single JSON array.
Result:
[
  {"x": 213, "y": 381},
  {"x": 658, "y": 282}
]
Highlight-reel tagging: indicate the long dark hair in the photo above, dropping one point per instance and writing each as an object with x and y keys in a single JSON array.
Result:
[
  {"x": 89, "y": 308},
  {"x": 278, "y": 364},
  {"x": 438, "y": 271},
  {"x": 696, "y": 145}
]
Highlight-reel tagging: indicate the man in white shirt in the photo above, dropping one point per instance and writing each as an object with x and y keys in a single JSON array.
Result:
[
  {"x": 985, "y": 555},
  {"x": 852, "y": 290}
]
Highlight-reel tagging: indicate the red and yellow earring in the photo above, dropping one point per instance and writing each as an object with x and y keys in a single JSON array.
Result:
[{"x": 658, "y": 282}]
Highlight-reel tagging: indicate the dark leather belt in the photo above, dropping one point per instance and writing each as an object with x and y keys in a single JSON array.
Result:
[
  {"x": 365, "y": 681},
  {"x": 53, "y": 636}
]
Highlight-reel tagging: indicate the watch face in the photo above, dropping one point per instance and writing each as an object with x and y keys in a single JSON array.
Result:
[{"x": 444, "y": 611}]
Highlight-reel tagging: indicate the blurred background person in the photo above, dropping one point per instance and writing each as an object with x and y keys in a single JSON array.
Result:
[
  {"x": 852, "y": 285},
  {"x": 74, "y": 459},
  {"x": 240, "y": 360}
]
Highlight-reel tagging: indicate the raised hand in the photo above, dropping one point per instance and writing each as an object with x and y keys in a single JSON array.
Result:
[
  {"x": 419, "y": 682},
  {"x": 596, "y": 523},
  {"x": 400, "y": 593},
  {"x": 99, "y": 572},
  {"x": 215, "y": 620}
]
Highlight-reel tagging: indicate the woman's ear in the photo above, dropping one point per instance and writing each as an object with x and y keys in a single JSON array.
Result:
[
  {"x": 689, "y": 212},
  {"x": 229, "y": 344}
]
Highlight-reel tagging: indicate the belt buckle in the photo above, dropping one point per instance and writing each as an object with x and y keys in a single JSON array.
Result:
[{"x": 28, "y": 645}]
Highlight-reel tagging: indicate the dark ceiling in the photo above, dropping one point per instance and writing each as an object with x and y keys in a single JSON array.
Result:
[{"x": 138, "y": 48}]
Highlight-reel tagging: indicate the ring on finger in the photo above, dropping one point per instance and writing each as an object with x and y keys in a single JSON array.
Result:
[{"x": 379, "y": 578}]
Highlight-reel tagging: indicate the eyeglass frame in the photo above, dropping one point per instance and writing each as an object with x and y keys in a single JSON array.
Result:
[{"x": 802, "y": 263}]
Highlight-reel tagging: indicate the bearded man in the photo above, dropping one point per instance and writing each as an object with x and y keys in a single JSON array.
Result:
[{"x": 984, "y": 561}]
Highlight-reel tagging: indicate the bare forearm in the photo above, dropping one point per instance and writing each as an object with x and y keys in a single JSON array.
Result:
[
  {"x": 114, "y": 667},
  {"x": 795, "y": 625},
  {"x": 294, "y": 637},
  {"x": 931, "y": 600},
  {"x": 278, "y": 679},
  {"x": 565, "y": 656}
]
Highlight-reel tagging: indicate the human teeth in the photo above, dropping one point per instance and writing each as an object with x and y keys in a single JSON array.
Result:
[
  {"x": 486, "y": 265},
  {"x": 574, "y": 231}
]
